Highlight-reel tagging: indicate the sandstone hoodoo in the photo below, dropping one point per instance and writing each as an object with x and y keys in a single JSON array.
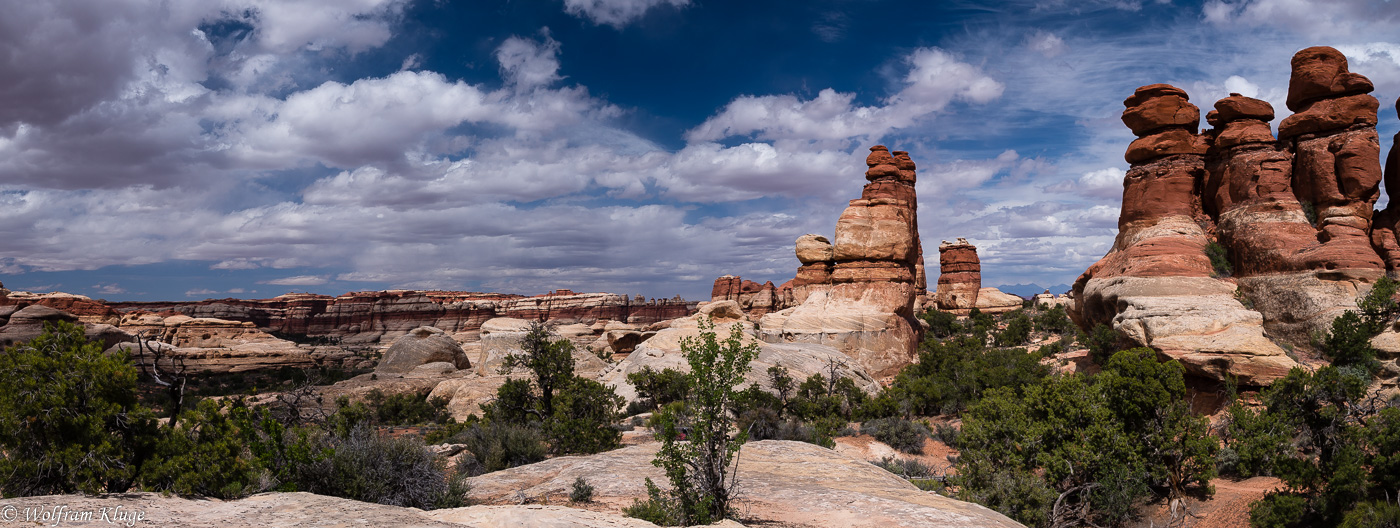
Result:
[
  {"x": 959, "y": 275},
  {"x": 756, "y": 299},
  {"x": 861, "y": 299},
  {"x": 1288, "y": 219}
]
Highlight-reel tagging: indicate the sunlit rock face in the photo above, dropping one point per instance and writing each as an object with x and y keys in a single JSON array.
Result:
[
  {"x": 959, "y": 277},
  {"x": 1293, "y": 217},
  {"x": 858, "y": 293}
]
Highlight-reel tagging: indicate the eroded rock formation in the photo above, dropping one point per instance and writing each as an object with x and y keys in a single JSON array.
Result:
[
  {"x": 959, "y": 275},
  {"x": 379, "y": 316},
  {"x": 861, "y": 299},
  {"x": 756, "y": 299},
  {"x": 1293, "y": 216}
]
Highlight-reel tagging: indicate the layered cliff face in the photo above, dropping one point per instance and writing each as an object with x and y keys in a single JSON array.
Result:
[
  {"x": 1293, "y": 216},
  {"x": 859, "y": 293},
  {"x": 381, "y": 316}
]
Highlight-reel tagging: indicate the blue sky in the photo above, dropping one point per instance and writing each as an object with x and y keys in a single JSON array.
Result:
[{"x": 183, "y": 149}]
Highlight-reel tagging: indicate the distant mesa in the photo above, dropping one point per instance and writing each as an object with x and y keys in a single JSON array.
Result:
[{"x": 1292, "y": 218}]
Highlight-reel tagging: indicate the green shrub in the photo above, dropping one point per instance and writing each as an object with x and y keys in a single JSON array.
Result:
[
  {"x": 1053, "y": 320},
  {"x": 1017, "y": 331},
  {"x": 203, "y": 456},
  {"x": 1086, "y": 443},
  {"x": 1219, "y": 259},
  {"x": 364, "y": 466},
  {"x": 581, "y": 491},
  {"x": 941, "y": 324},
  {"x": 659, "y": 388},
  {"x": 658, "y": 508},
  {"x": 1349, "y": 343},
  {"x": 575, "y": 413},
  {"x": 407, "y": 408},
  {"x": 951, "y": 375},
  {"x": 947, "y": 434},
  {"x": 905, "y": 435},
  {"x": 495, "y": 446},
  {"x": 914, "y": 471},
  {"x": 1378, "y": 306},
  {"x": 69, "y": 417},
  {"x": 1102, "y": 342},
  {"x": 582, "y": 415}
]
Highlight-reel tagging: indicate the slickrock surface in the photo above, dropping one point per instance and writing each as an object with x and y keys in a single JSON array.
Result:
[
  {"x": 792, "y": 483},
  {"x": 306, "y": 509},
  {"x": 1293, "y": 214},
  {"x": 959, "y": 276},
  {"x": 865, "y": 305},
  {"x": 801, "y": 359}
]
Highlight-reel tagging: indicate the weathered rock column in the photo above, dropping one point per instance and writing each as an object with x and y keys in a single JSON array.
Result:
[
  {"x": 1156, "y": 286},
  {"x": 959, "y": 276},
  {"x": 859, "y": 293}
]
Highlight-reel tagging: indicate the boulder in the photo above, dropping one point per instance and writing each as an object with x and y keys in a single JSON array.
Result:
[
  {"x": 992, "y": 300},
  {"x": 802, "y": 360},
  {"x": 421, "y": 346}
]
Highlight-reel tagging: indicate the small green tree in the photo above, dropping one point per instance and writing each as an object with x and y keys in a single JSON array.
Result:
[
  {"x": 1017, "y": 331},
  {"x": 551, "y": 362},
  {"x": 1102, "y": 342},
  {"x": 1053, "y": 320},
  {"x": 69, "y": 418},
  {"x": 697, "y": 449},
  {"x": 575, "y": 413}
]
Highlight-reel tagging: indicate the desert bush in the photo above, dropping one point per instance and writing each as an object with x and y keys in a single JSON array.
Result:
[
  {"x": 947, "y": 434},
  {"x": 1053, "y": 320},
  {"x": 204, "y": 455},
  {"x": 407, "y": 408},
  {"x": 1017, "y": 331},
  {"x": 576, "y": 414},
  {"x": 1219, "y": 259},
  {"x": 905, "y": 435},
  {"x": 495, "y": 446},
  {"x": 581, "y": 491},
  {"x": 659, "y": 388},
  {"x": 1074, "y": 450},
  {"x": 917, "y": 473},
  {"x": 1333, "y": 448},
  {"x": 583, "y": 414},
  {"x": 1349, "y": 343},
  {"x": 69, "y": 417},
  {"x": 367, "y": 467},
  {"x": 658, "y": 508},
  {"x": 1102, "y": 342},
  {"x": 941, "y": 324},
  {"x": 979, "y": 325},
  {"x": 952, "y": 374}
]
